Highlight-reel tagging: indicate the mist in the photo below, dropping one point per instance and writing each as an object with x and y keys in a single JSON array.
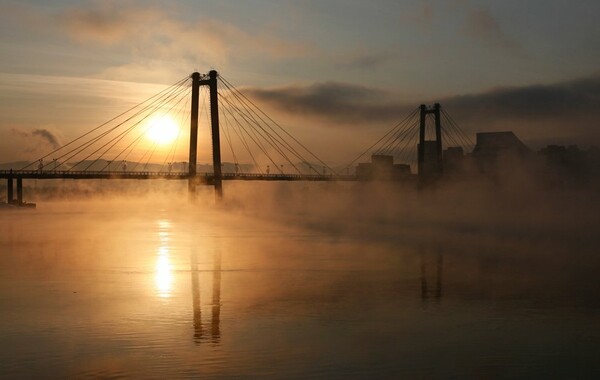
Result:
[{"x": 490, "y": 264}]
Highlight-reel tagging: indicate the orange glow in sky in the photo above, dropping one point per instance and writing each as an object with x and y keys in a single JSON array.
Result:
[{"x": 162, "y": 130}]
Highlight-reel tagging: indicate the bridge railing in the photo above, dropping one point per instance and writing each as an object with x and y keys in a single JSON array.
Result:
[
  {"x": 307, "y": 177},
  {"x": 87, "y": 174},
  {"x": 57, "y": 174}
]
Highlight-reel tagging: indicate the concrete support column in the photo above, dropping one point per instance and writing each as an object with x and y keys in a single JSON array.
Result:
[
  {"x": 421, "y": 146},
  {"x": 9, "y": 191},
  {"x": 193, "y": 135},
  {"x": 438, "y": 137},
  {"x": 216, "y": 139},
  {"x": 19, "y": 190}
]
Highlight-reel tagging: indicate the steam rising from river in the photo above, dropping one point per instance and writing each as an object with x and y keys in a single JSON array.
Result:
[{"x": 134, "y": 264}]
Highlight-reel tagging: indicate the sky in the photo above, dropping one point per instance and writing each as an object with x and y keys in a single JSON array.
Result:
[{"x": 336, "y": 73}]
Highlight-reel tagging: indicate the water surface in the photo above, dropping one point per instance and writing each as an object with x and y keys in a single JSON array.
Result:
[{"x": 115, "y": 289}]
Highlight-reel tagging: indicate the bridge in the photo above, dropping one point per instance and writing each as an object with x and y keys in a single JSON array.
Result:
[
  {"x": 205, "y": 178},
  {"x": 103, "y": 152}
]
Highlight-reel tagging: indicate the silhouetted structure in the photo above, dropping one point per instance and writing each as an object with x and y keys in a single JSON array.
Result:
[
  {"x": 454, "y": 160},
  {"x": 209, "y": 80},
  {"x": 429, "y": 152},
  {"x": 494, "y": 146},
  {"x": 382, "y": 167},
  {"x": 570, "y": 164}
]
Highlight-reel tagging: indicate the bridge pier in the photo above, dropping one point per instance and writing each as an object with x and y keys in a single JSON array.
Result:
[
  {"x": 19, "y": 191},
  {"x": 429, "y": 153},
  {"x": 9, "y": 191},
  {"x": 216, "y": 140},
  {"x": 193, "y": 136}
]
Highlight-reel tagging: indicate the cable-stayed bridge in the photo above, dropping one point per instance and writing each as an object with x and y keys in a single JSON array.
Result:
[{"x": 124, "y": 146}]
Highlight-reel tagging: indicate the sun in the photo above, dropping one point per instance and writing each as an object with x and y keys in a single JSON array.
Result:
[{"x": 163, "y": 130}]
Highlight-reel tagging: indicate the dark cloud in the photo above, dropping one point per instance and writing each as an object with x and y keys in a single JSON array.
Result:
[
  {"x": 368, "y": 61},
  {"x": 19, "y": 132},
  {"x": 330, "y": 100},
  {"x": 551, "y": 107},
  {"x": 536, "y": 102},
  {"x": 48, "y": 136},
  {"x": 482, "y": 25},
  {"x": 31, "y": 139}
]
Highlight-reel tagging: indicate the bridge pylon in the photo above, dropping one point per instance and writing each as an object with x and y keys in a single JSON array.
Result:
[
  {"x": 429, "y": 152},
  {"x": 209, "y": 80},
  {"x": 10, "y": 197}
]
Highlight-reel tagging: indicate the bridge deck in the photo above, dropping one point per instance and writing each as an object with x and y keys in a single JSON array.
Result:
[{"x": 203, "y": 177}]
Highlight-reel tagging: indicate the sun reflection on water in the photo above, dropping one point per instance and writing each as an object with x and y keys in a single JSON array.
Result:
[{"x": 163, "y": 276}]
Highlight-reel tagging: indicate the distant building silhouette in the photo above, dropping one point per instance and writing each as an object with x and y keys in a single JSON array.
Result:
[
  {"x": 570, "y": 164},
  {"x": 382, "y": 167},
  {"x": 492, "y": 144},
  {"x": 454, "y": 158},
  {"x": 493, "y": 147}
]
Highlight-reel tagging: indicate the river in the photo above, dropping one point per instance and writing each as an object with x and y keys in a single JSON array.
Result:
[{"x": 147, "y": 288}]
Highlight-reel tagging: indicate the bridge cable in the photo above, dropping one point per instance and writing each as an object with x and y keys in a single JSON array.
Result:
[
  {"x": 156, "y": 143},
  {"x": 401, "y": 129},
  {"x": 227, "y": 134},
  {"x": 457, "y": 127},
  {"x": 399, "y": 136},
  {"x": 135, "y": 125},
  {"x": 107, "y": 122},
  {"x": 184, "y": 117},
  {"x": 223, "y": 80},
  {"x": 274, "y": 140},
  {"x": 256, "y": 134},
  {"x": 255, "y": 138},
  {"x": 242, "y": 139},
  {"x": 185, "y": 95},
  {"x": 118, "y": 138},
  {"x": 87, "y": 144},
  {"x": 127, "y": 131},
  {"x": 406, "y": 138},
  {"x": 250, "y": 113},
  {"x": 381, "y": 139},
  {"x": 411, "y": 139}
]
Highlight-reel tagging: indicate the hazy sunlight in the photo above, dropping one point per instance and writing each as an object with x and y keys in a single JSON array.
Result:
[{"x": 163, "y": 130}]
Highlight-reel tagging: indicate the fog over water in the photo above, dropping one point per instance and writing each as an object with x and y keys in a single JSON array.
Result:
[{"x": 295, "y": 280}]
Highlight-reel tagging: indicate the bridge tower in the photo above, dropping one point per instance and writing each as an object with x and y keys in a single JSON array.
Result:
[
  {"x": 209, "y": 80},
  {"x": 429, "y": 152}
]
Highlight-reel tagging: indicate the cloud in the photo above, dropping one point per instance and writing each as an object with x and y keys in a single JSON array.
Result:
[
  {"x": 34, "y": 142},
  {"x": 329, "y": 100},
  {"x": 536, "y": 101},
  {"x": 108, "y": 24},
  {"x": 561, "y": 109},
  {"x": 155, "y": 34},
  {"x": 558, "y": 109},
  {"x": 367, "y": 61},
  {"x": 48, "y": 136},
  {"x": 480, "y": 24}
]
